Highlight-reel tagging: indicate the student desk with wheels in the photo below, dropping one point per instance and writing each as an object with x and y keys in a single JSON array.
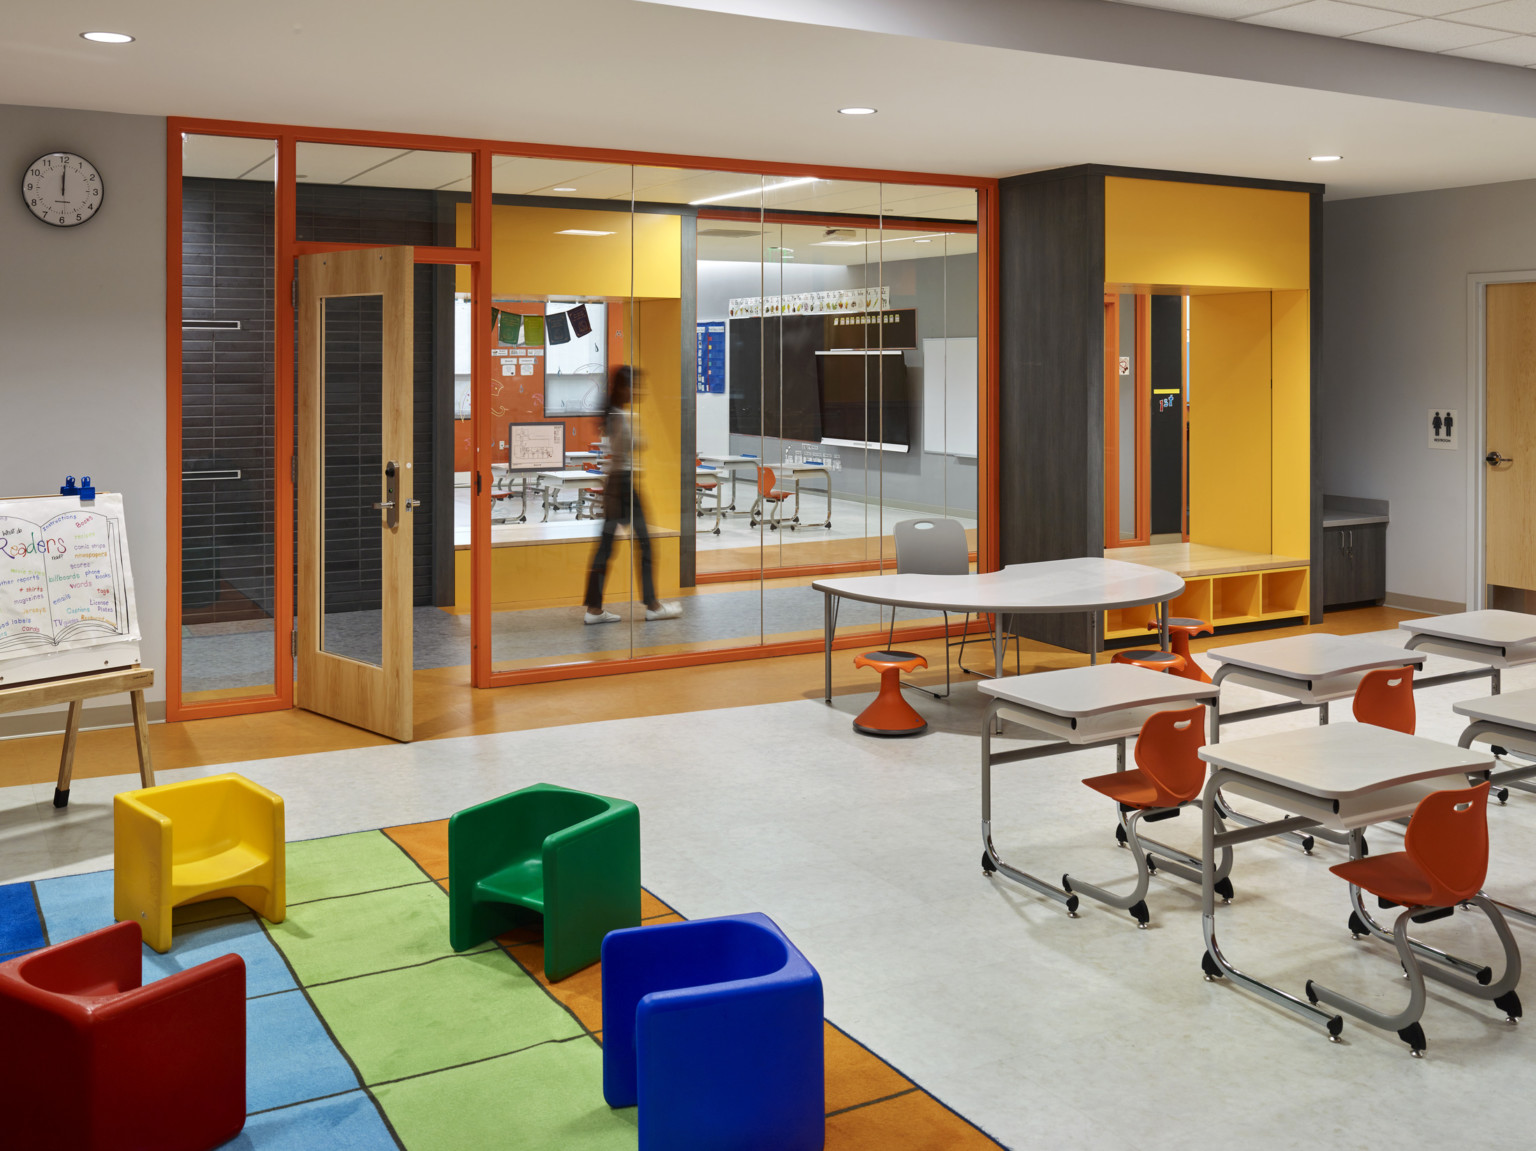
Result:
[
  {"x": 1313, "y": 670},
  {"x": 733, "y": 464},
  {"x": 1341, "y": 778},
  {"x": 1508, "y": 723},
  {"x": 566, "y": 480},
  {"x": 808, "y": 468},
  {"x": 1089, "y": 585},
  {"x": 1495, "y": 639},
  {"x": 1081, "y": 707}
]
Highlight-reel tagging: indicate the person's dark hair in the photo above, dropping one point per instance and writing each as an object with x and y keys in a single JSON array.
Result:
[{"x": 620, "y": 386}]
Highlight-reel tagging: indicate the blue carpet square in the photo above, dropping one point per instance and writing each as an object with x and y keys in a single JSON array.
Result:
[
  {"x": 289, "y": 1055},
  {"x": 348, "y": 1122},
  {"x": 20, "y": 928}
]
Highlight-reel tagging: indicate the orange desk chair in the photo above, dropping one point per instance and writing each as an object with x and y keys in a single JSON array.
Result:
[
  {"x": 889, "y": 713},
  {"x": 768, "y": 494},
  {"x": 1168, "y": 776},
  {"x": 1385, "y": 698},
  {"x": 1443, "y": 863},
  {"x": 1181, "y": 629},
  {"x": 1151, "y": 658}
]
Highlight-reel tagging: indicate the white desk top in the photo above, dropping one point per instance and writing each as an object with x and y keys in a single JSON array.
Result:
[
  {"x": 1340, "y": 760},
  {"x": 571, "y": 476},
  {"x": 803, "y": 467},
  {"x": 1498, "y": 628},
  {"x": 753, "y": 460},
  {"x": 1086, "y": 584},
  {"x": 1315, "y": 656},
  {"x": 1082, "y": 691},
  {"x": 569, "y": 456},
  {"x": 1513, "y": 709}
]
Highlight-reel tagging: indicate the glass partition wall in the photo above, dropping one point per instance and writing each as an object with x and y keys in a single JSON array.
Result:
[{"x": 805, "y": 373}]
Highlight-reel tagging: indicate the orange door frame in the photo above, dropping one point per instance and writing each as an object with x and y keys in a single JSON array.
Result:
[{"x": 478, "y": 257}]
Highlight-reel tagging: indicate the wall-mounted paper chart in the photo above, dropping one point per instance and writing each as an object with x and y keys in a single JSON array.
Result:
[
  {"x": 535, "y": 447},
  {"x": 64, "y": 576}
]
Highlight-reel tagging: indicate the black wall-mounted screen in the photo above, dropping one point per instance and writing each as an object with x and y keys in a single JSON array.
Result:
[{"x": 866, "y": 398}]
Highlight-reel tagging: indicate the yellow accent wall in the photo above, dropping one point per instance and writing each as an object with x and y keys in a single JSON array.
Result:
[
  {"x": 1291, "y": 424},
  {"x": 1231, "y": 465},
  {"x": 532, "y": 259},
  {"x": 659, "y": 408},
  {"x": 1191, "y": 236}
]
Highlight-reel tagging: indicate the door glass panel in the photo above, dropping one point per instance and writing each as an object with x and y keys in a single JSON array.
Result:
[
  {"x": 353, "y": 472},
  {"x": 228, "y": 410}
]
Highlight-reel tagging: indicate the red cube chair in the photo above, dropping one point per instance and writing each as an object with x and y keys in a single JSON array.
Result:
[
  {"x": 90, "y": 1060},
  {"x": 1442, "y": 865},
  {"x": 1181, "y": 629},
  {"x": 889, "y": 713},
  {"x": 1385, "y": 698}
]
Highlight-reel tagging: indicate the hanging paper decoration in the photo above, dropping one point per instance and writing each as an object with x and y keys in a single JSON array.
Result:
[
  {"x": 533, "y": 331},
  {"x": 581, "y": 325},
  {"x": 509, "y": 327},
  {"x": 557, "y": 328}
]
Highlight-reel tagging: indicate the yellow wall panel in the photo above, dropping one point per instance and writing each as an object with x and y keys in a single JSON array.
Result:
[
  {"x": 532, "y": 259},
  {"x": 1230, "y": 472},
  {"x": 659, "y": 410},
  {"x": 1162, "y": 233},
  {"x": 1291, "y": 437},
  {"x": 555, "y": 574}
]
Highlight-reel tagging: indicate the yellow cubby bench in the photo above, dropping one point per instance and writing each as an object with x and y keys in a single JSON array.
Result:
[
  {"x": 1221, "y": 586},
  {"x": 545, "y": 565}
]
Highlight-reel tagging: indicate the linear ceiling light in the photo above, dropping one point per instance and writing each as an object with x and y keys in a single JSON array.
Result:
[
  {"x": 883, "y": 240},
  {"x": 564, "y": 189},
  {"x": 858, "y": 111},
  {"x": 1325, "y": 159},
  {"x": 581, "y": 232},
  {"x": 754, "y": 190},
  {"x": 107, "y": 37}
]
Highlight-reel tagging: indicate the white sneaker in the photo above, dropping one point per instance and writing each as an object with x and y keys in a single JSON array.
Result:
[
  {"x": 665, "y": 611},
  {"x": 600, "y": 617}
]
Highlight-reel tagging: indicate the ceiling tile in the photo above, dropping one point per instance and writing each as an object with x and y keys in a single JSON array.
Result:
[
  {"x": 227, "y": 157},
  {"x": 1329, "y": 18},
  {"x": 1517, "y": 50},
  {"x": 1225, "y": 9},
  {"x": 1509, "y": 16},
  {"x": 1418, "y": 7},
  {"x": 1431, "y": 35}
]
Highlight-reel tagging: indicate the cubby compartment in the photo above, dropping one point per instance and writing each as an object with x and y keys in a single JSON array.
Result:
[
  {"x": 1195, "y": 603},
  {"x": 1285, "y": 593},
  {"x": 1234, "y": 598},
  {"x": 1129, "y": 621}
]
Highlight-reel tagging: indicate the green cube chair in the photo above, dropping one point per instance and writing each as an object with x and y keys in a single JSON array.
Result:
[{"x": 568, "y": 856}]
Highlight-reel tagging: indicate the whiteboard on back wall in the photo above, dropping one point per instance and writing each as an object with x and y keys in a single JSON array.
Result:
[{"x": 949, "y": 396}]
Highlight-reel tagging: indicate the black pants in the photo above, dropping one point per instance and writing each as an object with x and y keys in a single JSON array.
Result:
[{"x": 621, "y": 505}]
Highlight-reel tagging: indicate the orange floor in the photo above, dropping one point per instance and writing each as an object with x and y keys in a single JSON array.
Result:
[
  {"x": 870, "y": 1105},
  {"x": 446, "y": 706}
]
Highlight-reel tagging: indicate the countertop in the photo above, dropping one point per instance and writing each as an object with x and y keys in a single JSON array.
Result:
[{"x": 1350, "y": 519}]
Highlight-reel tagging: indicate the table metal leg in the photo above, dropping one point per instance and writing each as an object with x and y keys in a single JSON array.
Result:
[
  {"x": 1214, "y": 963},
  {"x": 829, "y": 626},
  {"x": 991, "y": 861},
  {"x": 1162, "y": 624},
  {"x": 1095, "y": 619}
]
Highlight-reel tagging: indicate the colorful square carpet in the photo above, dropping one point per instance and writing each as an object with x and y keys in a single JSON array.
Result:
[{"x": 365, "y": 1030}]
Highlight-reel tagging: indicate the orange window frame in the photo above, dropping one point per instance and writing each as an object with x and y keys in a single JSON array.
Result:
[{"x": 478, "y": 257}]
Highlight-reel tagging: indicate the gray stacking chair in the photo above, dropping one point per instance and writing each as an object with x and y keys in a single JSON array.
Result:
[{"x": 933, "y": 546}]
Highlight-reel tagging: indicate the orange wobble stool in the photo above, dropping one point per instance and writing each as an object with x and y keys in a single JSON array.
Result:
[
  {"x": 1181, "y": 629},
  {"x": 1152, "y": 659},
  {"x": 889, "y": 713}
]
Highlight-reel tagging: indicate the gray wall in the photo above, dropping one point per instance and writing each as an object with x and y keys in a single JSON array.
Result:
[
  {"x": 1395, "y": 346},
  {"x": 82, "y": 338}
]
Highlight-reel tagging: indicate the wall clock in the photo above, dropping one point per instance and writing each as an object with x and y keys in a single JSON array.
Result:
[{"x": 62, "y": 189}]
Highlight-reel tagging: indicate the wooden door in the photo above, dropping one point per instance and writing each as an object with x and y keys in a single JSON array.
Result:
[
  {"x": 1509, "y": 527},
  {"x": 354, "y": 490}
]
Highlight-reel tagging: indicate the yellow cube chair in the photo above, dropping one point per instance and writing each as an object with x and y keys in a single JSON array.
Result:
[{"x": 201, "y": 839}]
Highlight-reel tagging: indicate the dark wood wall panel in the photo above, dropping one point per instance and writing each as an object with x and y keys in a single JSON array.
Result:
[{"x": 1050, "y": 403}]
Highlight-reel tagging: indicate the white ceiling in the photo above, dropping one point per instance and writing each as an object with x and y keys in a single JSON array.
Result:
[
  {"x": 1504, "y": 32},
  {"x": 617, "y": 74}
]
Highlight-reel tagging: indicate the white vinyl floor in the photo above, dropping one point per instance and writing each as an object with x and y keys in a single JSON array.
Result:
[{"x": 1048, "y": 1032}]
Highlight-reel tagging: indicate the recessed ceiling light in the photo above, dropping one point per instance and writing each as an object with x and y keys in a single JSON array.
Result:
[
  {"x": 858, "y": 111},
  {"x": 581, "y": 232},
  {"x": 565, "y": 189},
  {"x": 1325, "y": 159},
  {"x": 107, "y": 37}
]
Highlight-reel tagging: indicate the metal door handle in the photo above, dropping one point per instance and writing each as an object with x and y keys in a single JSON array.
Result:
[
  {"x": 382, "y": 504},
  {"x": 1494, "y": 459},
  {"x": 412, "y": 504},
  {"x": 387, "y": 504}
]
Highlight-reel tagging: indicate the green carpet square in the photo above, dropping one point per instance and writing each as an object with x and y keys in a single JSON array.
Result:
[
  {"x": 361, "y": 934},
  {"x": 346, "y": 865},
  {"x": 439, "y": 1015},
  {"x": 549, "y": 1096}
]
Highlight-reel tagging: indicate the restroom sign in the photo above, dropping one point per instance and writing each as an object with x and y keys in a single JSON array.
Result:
[{"x": 1443, "y": 424}]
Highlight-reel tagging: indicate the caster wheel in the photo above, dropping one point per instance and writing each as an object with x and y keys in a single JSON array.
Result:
[
  {"x": 1413, "y": 1035},
  {"x": 1225, "y": 890},
  {"x": 1151, "y": 866},
  {"x": 1072, "y": 907},
  {"x": 1509, "y": 1003},
  {"x": 1307, "y": 844},
  {"x": 1311, "y": 995},
  {"x": 1357, "y": 927},
  {"x": 1209, "y": 966},
  {"x": 1335, "y": 1025},
  {"x": 1497, "y": 750},
  {"x": 1502, "y": 795},
  {"x": 1120, "y": 836},
  {"x": 987, "y": 867},
  {"x": 1140, "y": 914}
]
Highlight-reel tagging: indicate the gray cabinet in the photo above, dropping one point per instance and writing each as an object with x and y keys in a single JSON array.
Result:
[{"x": 1354, "y": 564}]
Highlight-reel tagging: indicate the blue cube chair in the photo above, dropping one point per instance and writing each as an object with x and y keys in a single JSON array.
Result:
[
  {"x": 567, "y": 857},
  {"x": 714, "y": 1028}
]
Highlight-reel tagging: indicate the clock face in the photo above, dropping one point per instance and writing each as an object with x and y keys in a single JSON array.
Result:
[{"x": 62, "y": 189}]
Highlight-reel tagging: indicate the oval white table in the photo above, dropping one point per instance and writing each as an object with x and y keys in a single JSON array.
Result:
[{"x": 1091, "y": 584}]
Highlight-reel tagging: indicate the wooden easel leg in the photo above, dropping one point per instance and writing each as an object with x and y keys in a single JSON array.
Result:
[
  {"x": 141, "y": 735},
  {"x": 67, "y": 760}
]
